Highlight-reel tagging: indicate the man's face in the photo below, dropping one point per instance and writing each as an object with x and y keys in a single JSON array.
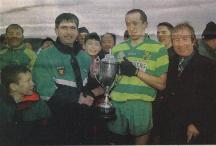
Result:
[
  {"x": 107, "y": 42},
  {"x": 81, "y": 37},
  {"x": 25, "y": 84},
  {"x": 182, "y": 42},
  {"x": 67, "y": 32},
  {"x": 14, "y": 37},
  {"x": 92, "y": 47},
  {"x": 164, "y": 35},
  {"x": 213, "y": 44},
  {"x": 135, "y": 26}
]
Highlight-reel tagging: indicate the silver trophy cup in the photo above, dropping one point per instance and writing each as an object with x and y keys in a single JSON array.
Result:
[{"x": 107, "y": 77}]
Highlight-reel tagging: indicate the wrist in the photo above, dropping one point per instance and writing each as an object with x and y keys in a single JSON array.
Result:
[{"x": 137, "y": 72}]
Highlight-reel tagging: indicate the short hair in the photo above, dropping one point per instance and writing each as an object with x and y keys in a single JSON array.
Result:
[
  {"x": 66, "y": 17},
  {"x": 143, "y": 16},
  {"x": 15, "y": 26},
  {"x": 92, "y": 36},
  {"x": 46, "y": 39},
  {"x": 167, "y": 24},
  {"x": 2, "y": 38},
  {"x": 10, "y": 74},
  {"x": 188, "y": 26},
  {"x": 83, "y": 30},
  {"x": 111, "y": 34},
  {"x": 209, "y": 31}
]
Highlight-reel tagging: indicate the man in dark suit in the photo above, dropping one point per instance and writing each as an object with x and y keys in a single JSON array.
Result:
[{"x": 189, "y": 95}]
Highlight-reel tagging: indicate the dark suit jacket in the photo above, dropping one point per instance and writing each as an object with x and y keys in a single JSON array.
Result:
[{"x": 190, "y": 98}]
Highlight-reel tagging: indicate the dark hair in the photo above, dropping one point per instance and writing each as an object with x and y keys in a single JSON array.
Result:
[
  {"x": 167, "y": 24},
  {"x": 112, "y": 35},
  {"x": 209, "y": 31},
  {"x": 126, "y": 34},
  {"x": 189, "y": 27},
  {"x": 66, "y": 17},
  {"x": 46, "y": 39},
  {"x": 92, "y": 36},
  {"x": 83, "y": 30},
  {"x": 16, "y": 26},
  {"x": 2, "y": 38},
  {"x": 9, "y": 74},
  {"x": 143, "y": 16}
]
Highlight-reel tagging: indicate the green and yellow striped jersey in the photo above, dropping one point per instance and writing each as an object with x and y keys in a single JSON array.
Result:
[{"x": 150, "y": 57}]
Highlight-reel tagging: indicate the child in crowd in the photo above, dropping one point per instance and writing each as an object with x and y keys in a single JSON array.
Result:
[
  {"x": 93, "y": 47},
  {"x": 23, "y": 115}
]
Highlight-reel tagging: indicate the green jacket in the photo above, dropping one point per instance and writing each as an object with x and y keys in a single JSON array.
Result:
[
  {"x": 206, "y": 50},
  {"x": 20, "y": 55},
  {"x": 23, "y": 122},
  {"x": 53, "y": 66}
]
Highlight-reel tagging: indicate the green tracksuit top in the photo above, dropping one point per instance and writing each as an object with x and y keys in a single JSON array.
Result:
[
  {"x": 53, "y": 67},
  {"x": 20, "y": 55}
]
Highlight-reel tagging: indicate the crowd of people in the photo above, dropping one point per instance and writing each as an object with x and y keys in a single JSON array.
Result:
[{"x": 165, "y": 94}]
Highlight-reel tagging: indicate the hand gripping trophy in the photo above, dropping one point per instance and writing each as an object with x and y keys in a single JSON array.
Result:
[{"x": 107, "y": 77}]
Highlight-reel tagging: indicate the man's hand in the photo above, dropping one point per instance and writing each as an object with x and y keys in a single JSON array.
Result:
[
  {"x": 88, "y": 100},
  {"x": 98, "y": 91},
  {"x": 192, "y": 131},
  {"x": 127, "y": 68}
]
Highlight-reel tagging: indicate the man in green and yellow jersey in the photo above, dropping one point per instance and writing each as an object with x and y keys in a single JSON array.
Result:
[{"x": 144, "y": 64}]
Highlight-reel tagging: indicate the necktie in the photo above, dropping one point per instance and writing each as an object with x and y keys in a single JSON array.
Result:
[
  {"x": 180, "y": 65},
  {"x": 77, "y": 72}
]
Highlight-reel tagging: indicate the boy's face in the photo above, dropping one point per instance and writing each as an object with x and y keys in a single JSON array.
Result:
[
  {"x": 81, "y": 37},
  {"x": 92, "y": 47},
  {"x": 25, "y": 84},
  {"x": 107, "y": 42},
  {"x": 47, "y": 44}
]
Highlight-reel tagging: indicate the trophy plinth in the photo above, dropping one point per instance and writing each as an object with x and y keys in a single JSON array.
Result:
[
  {"x": 108, "y": 70},
  {"x": 106, "y": 113},
  {"x": 105, "y": 109}
]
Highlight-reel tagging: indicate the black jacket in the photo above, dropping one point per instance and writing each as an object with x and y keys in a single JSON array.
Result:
[{"x": 191, "y": 96}]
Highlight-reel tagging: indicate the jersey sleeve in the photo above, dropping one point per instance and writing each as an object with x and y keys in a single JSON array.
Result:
[{"x": 162, "y": 62}]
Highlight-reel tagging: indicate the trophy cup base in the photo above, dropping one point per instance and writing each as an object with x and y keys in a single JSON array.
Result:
[{"x": 106, "y": 111}]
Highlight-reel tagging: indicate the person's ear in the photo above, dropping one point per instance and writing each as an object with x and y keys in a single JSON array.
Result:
[
  {"x": 56, "y": 31},
  {"x": 13, "y": 86},
  {"x": 145, "y": 25}
]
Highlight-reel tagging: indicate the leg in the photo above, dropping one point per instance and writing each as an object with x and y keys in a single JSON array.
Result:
[
  {"x": 142, "y": 139},
  {"x": 155, "y": 140},
  {"x": 140, "y": 120}
]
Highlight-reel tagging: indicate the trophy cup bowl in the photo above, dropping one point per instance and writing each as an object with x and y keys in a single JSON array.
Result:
[{"x": 108, "y": 70}]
